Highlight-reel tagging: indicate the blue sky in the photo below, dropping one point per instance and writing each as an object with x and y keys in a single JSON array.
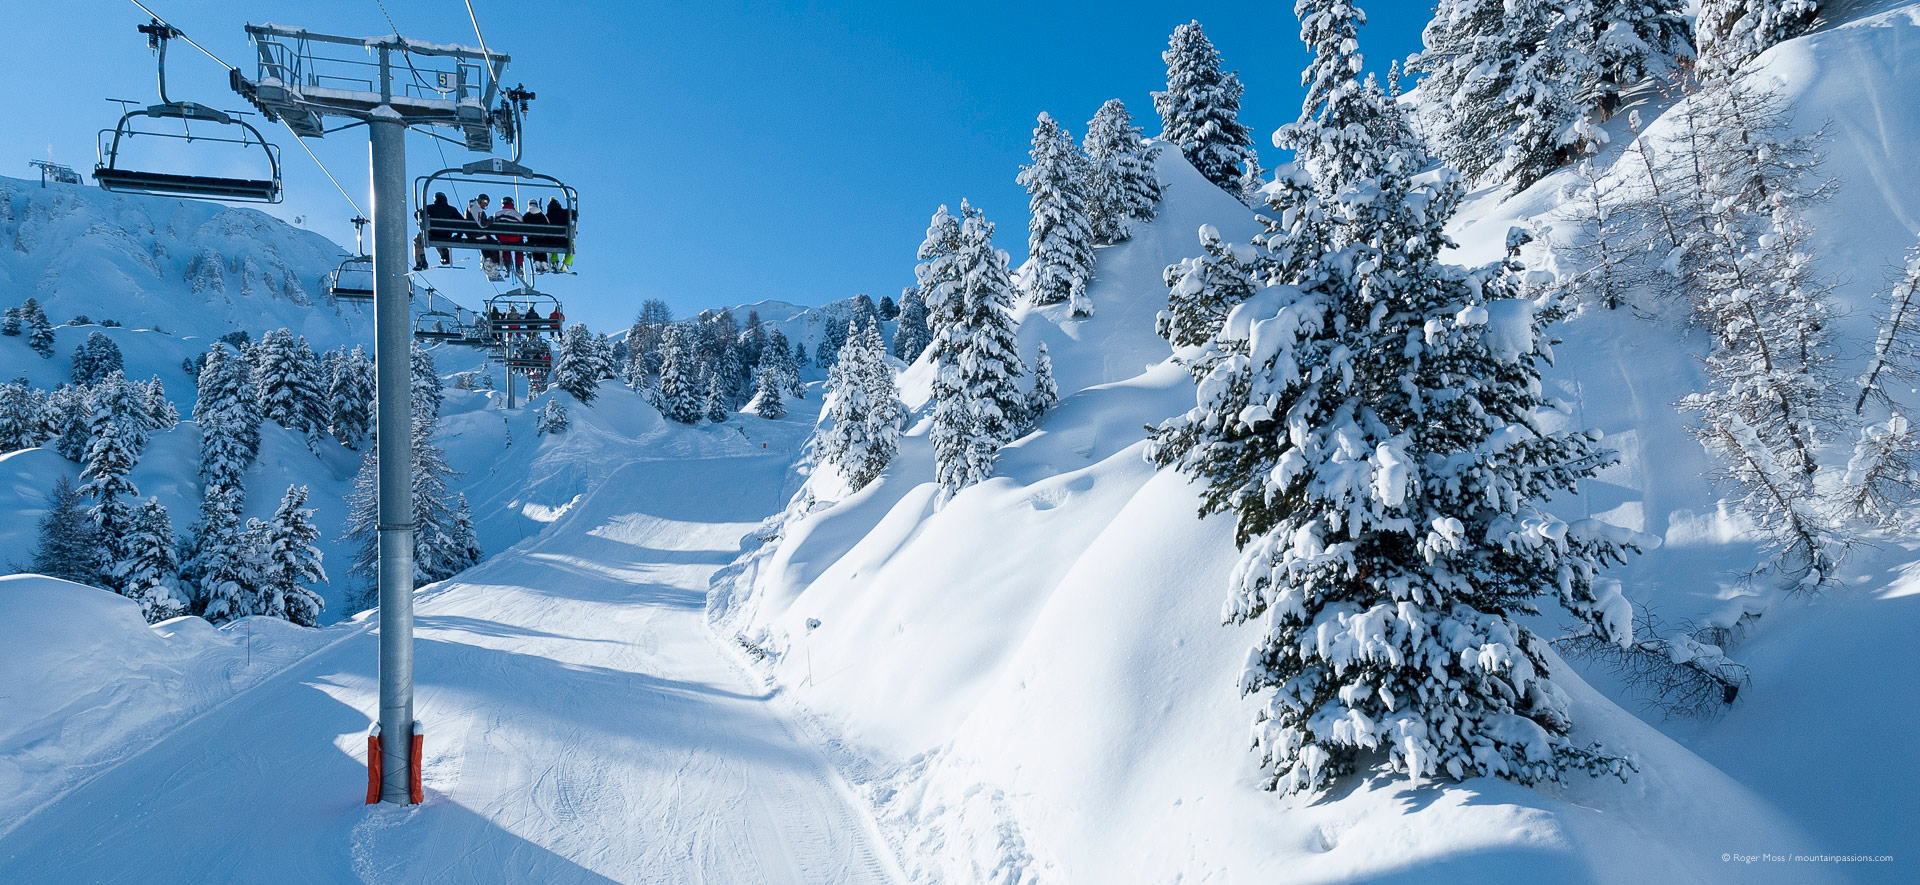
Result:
[{"x": 726, "y": 152}]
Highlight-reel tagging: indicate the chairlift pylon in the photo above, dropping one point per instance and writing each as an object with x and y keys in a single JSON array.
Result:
[{"x": 112, "y": 173}]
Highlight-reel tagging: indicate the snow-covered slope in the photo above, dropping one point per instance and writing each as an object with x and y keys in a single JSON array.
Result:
[{"x": 1034, "y": 683}]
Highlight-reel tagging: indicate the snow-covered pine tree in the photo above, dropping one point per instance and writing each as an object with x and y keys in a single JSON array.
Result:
[
  {"x": 69, "y": 545},
  {"x": 1201, "y": 290},
  {"x": 289, "y": 561},
  {"x": 436, "y": 553},
  {"x": 223, "y": 564},
  {"x": 95, "y": 358},
  {"x": 1200, "y": 110},
  {"x": 864, "y": 435},
  {"x": 1545, "y": 102},
  {"x": 1732, "y": 32},
  {"x": 800, "y": 353},
  {"x": 118, "y": 432},
  {"x": 889, "y": 310},
  {"x": 1059, "y": 232},
  {"x": 1896, "y": 350},
  {"x": 1253, "y": 179},
  {"x": 1045, "y": 391},
  {"x": 863, "y": 311},
  {"x": 70, "y": 418},
  {"x": 552, "y": 418},
  {"x": 768, "y": 386},
  {"x": 717, "y": 396},
  {"x": 832, "y": 338},
  {"x": 19, "y": 419},
  {"x": 279, "y": 384},
  {"x": 753, "y": 338},
  {"x": 1346, "y": 124},
  {"x": 777, "y": 357},
  {"x": 1884, "y": 473},
  {"x": 581, "y": 364},
  {"x": 10, "y": 322},
  {"x": 426, "y": 384},
  {"x": 350, "y": 395},
  {"x": 1379, "y": 443},
  {"x": 466, "y": 541},
  {"x": 681, "y": 397},
  {"x": 978, "y": 404},
  {"x": 160, "y": 411},
  {"x": 313, "y": 408},
  {"x": 911, "y": 336},
  {"x": 150, "y": 565},
  {"x": 39, "y": 331},
  {"x": 229, "y": 422},
  {"x": 1122, "y": 186},
  {"x": 1636, "y": 39}
]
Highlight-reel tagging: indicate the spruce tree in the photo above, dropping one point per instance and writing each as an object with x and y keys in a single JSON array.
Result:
[
  {"x": 581, "y": 364},
  {"x": 552, "y": 418},
  {"x": 1200, "y": 110},
  {"x": 19, "y": 420},
  {"x": 780, "y": 360},
  {"x": 768, "y": 384},
  {"x": 149, "y": 565},
  {"x": 865, "y": 430},
  {"x": 1733, "y": 32},
  {"x": 70, "y": 416},
  {"x": 716, "y": 404},
  {"x": 426, "y": 385},
  {"x": 883, "y": 388},
  {"x": 39, "y": 331},
  {"x": 95, "y": 358},
  {"x": 117, "y": 433},
  {"x": 912, "y": 335},
  {"x": 289, "y": 562},
  {"x": 1045, "y": 392},
  {"x": 1122, "y": 186},
  {"x": 223, "y": 562},
  {"x": 279, "y": 382},
  {"x": 69, "y": 544},
  {"x": 889, "y": 311},
  {"x": 1380, "y": 445},
  {"x": 229, "y": 423},
  {"x": 1059, "y": 231},
  {"x": 1201, "y": 290},
  {"x": 160, "y": 411},
  {"x": 350, "y": 395},
  {"x": 466, "y": 541},
  {"x": 10, "y": 322},
  {"x": 978, "y": 405},
  {"x": 681, "y": 396}
]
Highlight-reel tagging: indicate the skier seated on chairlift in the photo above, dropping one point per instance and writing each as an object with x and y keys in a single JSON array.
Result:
[
  {"x": 489, "y": 259},
  {"x": 509, "y": 214},
  {"x": 559, "y": 216},
  {"x": 533, "y": 215},
  {"x": 440, "y": 208}
]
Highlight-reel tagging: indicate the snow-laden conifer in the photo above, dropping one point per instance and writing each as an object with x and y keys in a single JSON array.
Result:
[
  {"x": 716, "y": 403},
  {"x": 1372, "y": 418},
  {"x": 222, "y": 563},
  {"x": 466, "y": 540},
  {"x": 10, "y": 322},
  {"x": 70, "y": 420},
  {"x": 681, "y": 397},
  {"x": 289, "y": 561},
  {"x": 68, "y": 545},
  {"x": 1122, "y": 187},
  {"x": 160, "y": 411},
  {"x": 1200, "y": 109},
  {"x": 1045, "y": 392},
  {"x": 1202, "y": 289},
  {"x": 39, "y": 331},
  {"x": 286, "y": 382},
  {"x": 1059, "y": 231},
  {"x": 552, "y": 417},
  {"x": 978, "y": 403},
  {"x": 1732, "y": 32},
  {"x": 864, "y": 409},
  {"x": 118, "y": 431},
  {"x": 767, "y": 396},
  {"x": 95, "y": 358},
  {"x": 19, "y": 419},
  {"x": 912, "y": 335},
  {"x": 350, "y": 396},
  {"x": 149, "y": 565},
  {"x": 581, "y": 364},
  {"x": 426, "y": 386},
  {"x": 228, "y": 418}
]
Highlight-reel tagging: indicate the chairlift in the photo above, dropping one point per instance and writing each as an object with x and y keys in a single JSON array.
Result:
[
  {"x": 501, "y": 177},
  {"x": 112, "y": 173},
  {"x": 522, "y": 313},
  {"x": 353, "y": 279},
  {"x": 442, "y": 322}
]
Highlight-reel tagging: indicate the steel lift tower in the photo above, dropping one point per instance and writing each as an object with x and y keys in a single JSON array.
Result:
[{"x": 389, "y": 84}]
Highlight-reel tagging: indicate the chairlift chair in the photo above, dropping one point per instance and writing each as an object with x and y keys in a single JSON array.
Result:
[
  {"x": 522, "y": 312},
  {"x": 113, "y": 174},
  {"x": 501, "y": 177},
  {"x": 353, "y": 279}
]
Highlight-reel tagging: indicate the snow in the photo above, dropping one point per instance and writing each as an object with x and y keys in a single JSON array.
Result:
[{"x": 1028, "y": 684}]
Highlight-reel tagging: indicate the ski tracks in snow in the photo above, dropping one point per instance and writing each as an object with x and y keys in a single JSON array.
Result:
[{"x": 581, "y": 726}]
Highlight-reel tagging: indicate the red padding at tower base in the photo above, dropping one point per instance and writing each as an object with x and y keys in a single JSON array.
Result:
[
  {"x": 413, "y": 777},
  {"x": 373, "y": 769}
]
